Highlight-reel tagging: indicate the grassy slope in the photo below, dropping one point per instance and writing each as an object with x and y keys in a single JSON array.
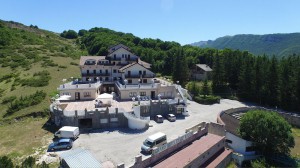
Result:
[
  {"x": 270, "y": 44},
  {"x": 42, "y": 44},
  {"x": 19, "y": 138},
  {"x": 296, "y": 150}
]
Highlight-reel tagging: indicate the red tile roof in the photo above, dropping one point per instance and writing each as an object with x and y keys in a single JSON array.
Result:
[{"x": 191, "y": 152}]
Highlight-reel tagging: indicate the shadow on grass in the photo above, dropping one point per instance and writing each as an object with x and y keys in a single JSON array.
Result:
[{"x": 50, "y": 127}]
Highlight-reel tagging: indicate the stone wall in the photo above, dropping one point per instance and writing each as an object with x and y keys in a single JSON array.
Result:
[
  {"x": 292, "y": 118},
  {"x": 156, "y": 158}
]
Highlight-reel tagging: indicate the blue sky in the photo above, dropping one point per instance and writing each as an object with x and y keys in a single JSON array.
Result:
[{"x": 183, "y": 21}]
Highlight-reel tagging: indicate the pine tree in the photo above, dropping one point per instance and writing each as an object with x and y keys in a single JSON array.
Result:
[
  {"x": 205, "y": 88},
  {"x": 218, "y": 79},
  {"x": 180, "y": 69},
  {"x": 273, "y": 84}
]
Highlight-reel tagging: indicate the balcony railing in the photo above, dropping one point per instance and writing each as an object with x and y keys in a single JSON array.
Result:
[
  {"x": 140, "y": 76},
  {"x": 94, "y": 74}
]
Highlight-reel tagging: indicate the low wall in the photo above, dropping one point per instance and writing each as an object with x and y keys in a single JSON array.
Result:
[
  {"x": 156, "y": 158},
  {"x": 292, "y": 118},
  {"x": 217, "y": 129}
]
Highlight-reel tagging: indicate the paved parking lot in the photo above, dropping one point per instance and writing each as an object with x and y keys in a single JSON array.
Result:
[{"x": 112, "y": 147}]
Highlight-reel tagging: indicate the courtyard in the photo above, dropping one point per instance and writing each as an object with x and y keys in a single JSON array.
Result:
[{"x": 114, "y": 146}]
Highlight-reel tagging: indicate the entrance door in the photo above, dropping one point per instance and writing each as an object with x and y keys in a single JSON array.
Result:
[
  {"x": 152, "y": 94},
  {"x": 77, "y": 95}
]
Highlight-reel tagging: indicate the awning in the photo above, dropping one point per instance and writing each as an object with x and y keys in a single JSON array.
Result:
[
  {"x": 64, "y": 97},
  {"x": 105, "y": 96}
]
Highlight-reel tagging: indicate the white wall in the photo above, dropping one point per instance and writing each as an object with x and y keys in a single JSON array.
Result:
[
  {"x": 238, "y": 144},
  {"x": 121, "y": 51}
]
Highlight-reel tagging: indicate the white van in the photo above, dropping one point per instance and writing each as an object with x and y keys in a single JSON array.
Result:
[
  {"x": 152, "y": 141},
  {"x": 67, "y": 132}
]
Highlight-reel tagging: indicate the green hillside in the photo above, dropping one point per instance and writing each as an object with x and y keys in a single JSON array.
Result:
[
  {"x": 32, "y": 60},
  {"x": 269, "y": 44}
]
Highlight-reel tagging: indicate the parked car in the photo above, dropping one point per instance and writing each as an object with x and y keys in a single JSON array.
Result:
[
  {"x": 171, "y": 117},
  {"x": 65, "y": 143},
  {"x": 159, "y": 119}
]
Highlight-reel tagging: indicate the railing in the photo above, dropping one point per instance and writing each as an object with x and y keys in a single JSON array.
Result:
[
  {"x": 73, "y": 85},
  {"x": 95, "y": 74},
  {"x": 140, "y": 76},
  {"x": 136, "y": 86}
]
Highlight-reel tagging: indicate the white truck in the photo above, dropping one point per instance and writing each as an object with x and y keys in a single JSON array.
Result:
[{"x": 67, "y": 132}]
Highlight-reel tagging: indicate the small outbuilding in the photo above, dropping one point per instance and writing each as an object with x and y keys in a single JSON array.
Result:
[
  {"x": 201, "y": 72},
  {"x": 78, "y": 158}
]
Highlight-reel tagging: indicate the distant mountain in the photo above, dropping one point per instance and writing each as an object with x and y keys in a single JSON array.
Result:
[{"x": 269, "y": 44}]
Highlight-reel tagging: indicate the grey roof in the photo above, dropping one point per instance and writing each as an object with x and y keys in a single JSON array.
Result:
[
  {"x": 78, "y": 158},
  {"x": 83, "y": 59},
  {"x": 204, "y": 67}
]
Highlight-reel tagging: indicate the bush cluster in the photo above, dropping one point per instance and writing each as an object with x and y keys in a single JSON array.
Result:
[
  {"x": 26, "y": 101},
  {"x": 38, "y": 80},
  {"x": 210, "y": 99}
]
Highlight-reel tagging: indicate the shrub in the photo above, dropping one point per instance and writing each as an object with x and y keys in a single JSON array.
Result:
[
  {"x": 8, "y": 99},
  {"x": 38, "y": 80},
  {"x": 26, "y": 101},
  {"x": 70, "y": 34},
  {"x": 6, "y": 162},
  {"x": 210, "y": 99},
  {"x": 74, "y": 63}
]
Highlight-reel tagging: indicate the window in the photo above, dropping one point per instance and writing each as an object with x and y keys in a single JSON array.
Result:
[
  {"x": 95, "y": 78},
  {"x": 94, "y": 71},
  {"x": 129, "y": 81},
  {"x": 122, "y": 55},
  {"x": 106, "y": 78},
  {"x": 180, "y": 110},
  {"x": 140, "y": 72},
  {"x": 115, "y": 56},
  {"x": 228, "y": 141},
  {"x": 170, "y": 108},
  {"x": 144, "y": 72},
  {"x": 66, "y": 93},
  {"x": 100, "y": 78},
  {"x": 115, "y": 71},
  {"x": 106, "y": 71},
  {"x": 100, "y": 71},
  {"x": 144, "y": 80},
  {"x": 115, "y": 78},
  {"x": 142, "y": 93},
  {"x": 86, "y": 94},
  {"x": 87, "y": 79},
  {"x": 132, "y": 94},
  {"x": 87, "y": 71}
]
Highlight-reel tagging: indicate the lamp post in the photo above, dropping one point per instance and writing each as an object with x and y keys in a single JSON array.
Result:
[
  {"x": 139, "y": 99},
  {"x": 97, "y": 79},
  {"x": 152, "y": 80},
  {"x": 177, "y": 82},
  {"x": 125, "y": 81},
  {"x": 90, "y": 81},
  {"x": 139, "y": 83}
]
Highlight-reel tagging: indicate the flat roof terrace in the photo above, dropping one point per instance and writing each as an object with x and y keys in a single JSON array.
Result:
[{"x": 90, "y": 105}]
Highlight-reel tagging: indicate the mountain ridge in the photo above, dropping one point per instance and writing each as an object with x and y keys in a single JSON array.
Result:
[{"x": 278, "y": 44}]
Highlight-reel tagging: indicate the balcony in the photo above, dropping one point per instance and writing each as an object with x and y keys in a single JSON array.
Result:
[
  {"x": 94, "y": 74},
  {"x": 140, "y": 76}
]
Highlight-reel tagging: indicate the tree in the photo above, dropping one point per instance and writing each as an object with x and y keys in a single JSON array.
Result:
[
  {"x": 70, "y": 34},
  {"x": 6, "y": 162},
  {"x": 180, "y": 69},
  {"x": 270, "y": 133},
  {"x": 218, "y": 79},
  {"x": 205, "y": 88},
  {"x": 28, "y": 162}
]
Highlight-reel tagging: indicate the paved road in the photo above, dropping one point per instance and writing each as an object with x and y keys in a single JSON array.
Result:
[{"x": 122, "y": 145}]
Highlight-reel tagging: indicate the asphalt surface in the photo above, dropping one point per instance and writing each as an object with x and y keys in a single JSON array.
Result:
[{"x": 115, "y": 146}]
